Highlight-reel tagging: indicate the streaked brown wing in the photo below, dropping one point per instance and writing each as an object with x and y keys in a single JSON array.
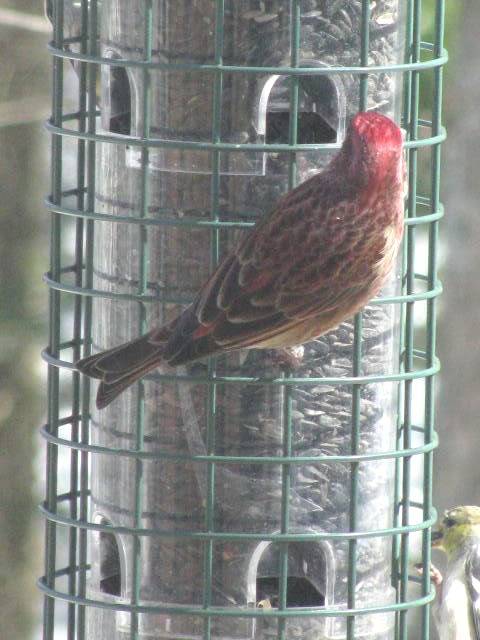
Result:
[
  {"x": 247, "y": 278},
  {"x": 286, "y": 270},
  {"x": 251, "y": 295}
]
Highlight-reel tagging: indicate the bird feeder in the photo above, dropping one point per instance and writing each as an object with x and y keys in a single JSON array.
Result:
[{"x": 227, "y": 499}]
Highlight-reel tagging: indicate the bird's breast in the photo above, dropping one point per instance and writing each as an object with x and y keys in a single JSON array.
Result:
[
  {"x": 392, "y": 237},
  {"x": 453, "y": 614}
]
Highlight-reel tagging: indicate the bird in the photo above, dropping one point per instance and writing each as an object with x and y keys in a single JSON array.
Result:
[
  {"x": 320, "y": 255},
  {"x": 456, "y": 610}
]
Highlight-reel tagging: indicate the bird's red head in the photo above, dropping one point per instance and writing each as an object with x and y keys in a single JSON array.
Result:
[
  {"x": 374, "y": 147},
  {"x": 376, "y": 130}
]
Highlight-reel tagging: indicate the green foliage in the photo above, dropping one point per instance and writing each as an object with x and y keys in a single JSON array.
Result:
[{"x": 24, "y": 74}]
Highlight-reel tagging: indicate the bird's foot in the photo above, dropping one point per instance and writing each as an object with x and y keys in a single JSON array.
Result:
[
  {"x": 435, "y": 575},
  {"x": 288, "y": 359}
]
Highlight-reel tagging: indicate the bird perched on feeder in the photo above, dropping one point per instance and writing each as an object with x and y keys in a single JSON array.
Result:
[
  {"x": 456, "y": 610},
  {"x": 316, "y": 259}
]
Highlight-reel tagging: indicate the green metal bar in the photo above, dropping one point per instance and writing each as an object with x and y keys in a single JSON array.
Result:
[
  {"x": 237, "y": 612},
  {"x": 412, "y": 128},
  {"x": 164, "y": 218},
  {"x": 54, "y": 337},
  {"x": 356, "y": 363},
  {"x": 89, "y": 17},
  {"x": 285, "y": 512},
  {"x": 295, "y": 32},
  {"x": 278, "y": 538},
  {"x": 223, "y": 146},
  {"x": 77, "y": 320},
  {"x": 409, "y": 314},
  {"x": 214, "y": 258},
  {"x": 431, "y": 316},
  {"x": 354, "y": 474},
  {"x": 364, "y": 51},
  {"x": 280, "y": 70},
  {"x": 210, "y": 505},
  {"x": 164, "y": 296},
  {"x": 267, "y": 460},
  {"x": 396, "y": 377},
  {"x": 406, "y": 118},
  {"x": 407, "y": 85},
  {"x": 142, "y": 317}
]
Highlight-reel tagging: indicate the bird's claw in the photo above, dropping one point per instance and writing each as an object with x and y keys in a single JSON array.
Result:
[
  {"x": 435, "y": 574},
  {"x": 288, "y": 359}
]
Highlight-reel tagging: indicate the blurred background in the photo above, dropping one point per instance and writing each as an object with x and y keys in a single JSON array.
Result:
[{"x": 24, "y": 181}]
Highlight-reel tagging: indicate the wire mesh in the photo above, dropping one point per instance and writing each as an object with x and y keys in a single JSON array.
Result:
[{"x": 93, "y": 299}]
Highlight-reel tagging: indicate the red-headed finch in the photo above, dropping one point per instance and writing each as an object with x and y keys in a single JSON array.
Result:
[{"x": 316, "y": 259}]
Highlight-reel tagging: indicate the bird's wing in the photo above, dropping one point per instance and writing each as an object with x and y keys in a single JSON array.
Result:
[
  {"x": 472, "y": 574},
  {"x": 295, "y": 264}
]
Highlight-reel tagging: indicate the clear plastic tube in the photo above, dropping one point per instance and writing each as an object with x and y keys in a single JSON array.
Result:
[{"x": 179, "y": 417}]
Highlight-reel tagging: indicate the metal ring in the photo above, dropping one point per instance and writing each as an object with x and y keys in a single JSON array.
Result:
[
  {"x": 244, "y": 612},
  {"x": 161, "y": 221},
  {"x": 194, "y": 222},
  {"x": 152, "y": 143},
  {"x": 222, "y": 68},
  {"x": 282, "y": 382},
  {"x": 206, "y": 536},
  {"x": 165, "y": 298},
  {"x": 218, "y": 459}
]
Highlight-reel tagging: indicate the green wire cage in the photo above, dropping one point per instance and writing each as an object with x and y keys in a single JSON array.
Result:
[{"x": 228, "y": 499}]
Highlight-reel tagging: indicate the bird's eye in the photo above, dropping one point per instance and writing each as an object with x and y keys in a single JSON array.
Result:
[{"x": 448, "y": 522}]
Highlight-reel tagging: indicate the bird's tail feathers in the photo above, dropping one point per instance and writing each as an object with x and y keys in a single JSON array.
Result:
[{"x": 121, "y": 366}]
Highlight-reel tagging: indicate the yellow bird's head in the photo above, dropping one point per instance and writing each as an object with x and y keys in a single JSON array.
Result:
[{"x": 457, "y": 526}]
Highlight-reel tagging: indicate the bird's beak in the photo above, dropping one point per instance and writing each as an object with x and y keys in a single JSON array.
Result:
[{"x": 437, "y": 537}]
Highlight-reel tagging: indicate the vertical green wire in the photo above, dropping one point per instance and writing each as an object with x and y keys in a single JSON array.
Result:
[
  {"x": 407, "y": 94},
  {"x": 54, "y": 337},
  {"x": 354, "y": 473},
  {"x": 295, "y": 33},
  {"x": 397, "y": 542},
  {"x": 89, "y": 15},
  {"x": 409, "y": 313},
  {"x": 215, "y": 255},
  {"x": 216, "y": 130},
  {"x": 142, "y": 288},
  {"x": 431, "y": 308},
  {"x": 364, "y": 51},
  {"x": 294, "y": 63},
  {"x": 285, "y": 513},
  {"x": 210, "y": 501},
  {"x": 356, "y": 366},
  {"x": 77, "y": 327}
]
